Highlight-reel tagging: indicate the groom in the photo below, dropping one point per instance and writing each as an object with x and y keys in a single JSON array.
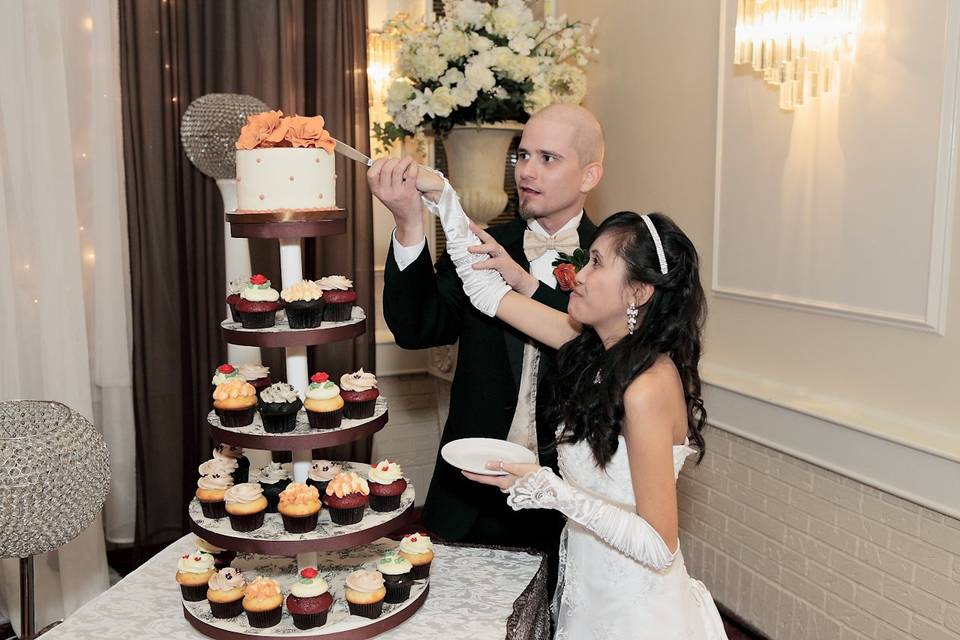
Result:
[{"x": 501, "y": 378}]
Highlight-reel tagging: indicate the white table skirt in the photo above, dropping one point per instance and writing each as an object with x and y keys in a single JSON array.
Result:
[{"x": 472, "y": 595}]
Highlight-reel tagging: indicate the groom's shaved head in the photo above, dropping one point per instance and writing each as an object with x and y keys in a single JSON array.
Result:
[{"x": 586, "y": 132}]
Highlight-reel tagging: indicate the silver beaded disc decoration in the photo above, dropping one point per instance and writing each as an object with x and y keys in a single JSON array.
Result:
[
  {"x": 209, "y": 130},
  {"x": 54, "y": 476}
]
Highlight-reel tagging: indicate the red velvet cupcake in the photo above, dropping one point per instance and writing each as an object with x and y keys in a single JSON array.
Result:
[
  {"x": 386, "y": 486},
  {"x": 359, "y": 393},
  {"x": 339, "y": 296},
  {"x": 233, "y": 297},
  {"x": 346, "y": 497},
  {"x": 309, "y": 600},
  {"x": 259, "y": 304}
]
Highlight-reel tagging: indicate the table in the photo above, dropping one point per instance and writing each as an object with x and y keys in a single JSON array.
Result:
[{"x": 475, "y": 592}]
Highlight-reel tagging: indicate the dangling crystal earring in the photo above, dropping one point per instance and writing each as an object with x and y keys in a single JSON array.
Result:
[{"x": 632, "y": 312}]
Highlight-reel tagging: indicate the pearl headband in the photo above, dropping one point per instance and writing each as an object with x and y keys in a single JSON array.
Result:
[{"x": 661, "y": 256}]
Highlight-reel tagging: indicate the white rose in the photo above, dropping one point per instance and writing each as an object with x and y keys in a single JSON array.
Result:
[
  {"x": 467, "y": 13},
  {"x": 522, "y": 44},
  {"x": 463, "y": 94},
  {"x": 451, "y": 77},
  {"x": 454, "y": 43},
  {"x": 429, "y": 63},
  {"x": 479, "y": 76},
  {"x": 479, "y": 42},
  {"x": 409, "y": 118},
  {"x": 504, "y": 21},
  {"x": 441, "y": 102},
  {"x": 400, "y": 90}
]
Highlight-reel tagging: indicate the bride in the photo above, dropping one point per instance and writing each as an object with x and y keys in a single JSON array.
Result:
[{"x": 629, "y": 416}]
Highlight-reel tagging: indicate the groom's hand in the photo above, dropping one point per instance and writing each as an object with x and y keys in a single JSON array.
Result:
[
  {"x": 515, "y": 276},
  {"x": 394, "y": 182}
]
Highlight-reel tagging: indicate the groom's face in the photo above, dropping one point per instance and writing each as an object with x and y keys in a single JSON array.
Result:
[{"x": 548, "y": 172}]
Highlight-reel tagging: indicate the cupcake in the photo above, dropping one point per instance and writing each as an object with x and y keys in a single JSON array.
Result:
[
  {"x": 304, "y": 304},
  {"x": 221, "y": 557},
  {"x": 257, "y": 375},
  {"x": 386, "y": 485},
  {"x": 279, "y": 405},
  {"x": 346, "y": 496},
  {"x": 309, "y": 600},
  {"x": 245, "y": 506},
  {"x": 359, "y": 393},
  {"x": 233, "y": 296},
  {"x": 321, "y": 473},
  {"x": 225, "y": 593},
  {"x": 193, "y": 571},
  {"x": 418, "y": 549},
  {"x": 263, "y": 602},
  {"x": 227, "y": 451},
  {"x": 323, "y": 402},
  {"x": 214, "y": 480},
  {"x": 224, "y": 373},
  {"x": 339, "y": 296},
  {"x": 365, "y": 593},
  {"x": 395, "y": 570},
  {"x": 258, "y": 304},
  {"x": 235, "y": 402},
  {"x": 273, "y": 479},
  {"x": 299, "y": 507}
]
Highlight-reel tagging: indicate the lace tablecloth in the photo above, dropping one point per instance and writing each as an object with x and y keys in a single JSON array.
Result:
[{"x": 475, "y": 592}]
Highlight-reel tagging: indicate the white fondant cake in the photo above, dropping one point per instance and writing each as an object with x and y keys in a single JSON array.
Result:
[{"x": 281, "y": 178}]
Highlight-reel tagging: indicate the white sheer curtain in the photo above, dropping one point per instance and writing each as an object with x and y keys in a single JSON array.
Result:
[{"x": 64, "y": 276}]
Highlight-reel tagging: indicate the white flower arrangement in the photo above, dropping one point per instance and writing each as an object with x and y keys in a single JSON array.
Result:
[{"x": 482, "y": 63}]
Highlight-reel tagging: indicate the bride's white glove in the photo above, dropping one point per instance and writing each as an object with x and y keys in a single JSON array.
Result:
[
  {"x": 484, "y": 288},
  {"x": 623, "y": 530}
]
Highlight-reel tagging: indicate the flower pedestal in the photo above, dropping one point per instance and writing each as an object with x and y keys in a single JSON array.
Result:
[{"x": 475, "y": 158}]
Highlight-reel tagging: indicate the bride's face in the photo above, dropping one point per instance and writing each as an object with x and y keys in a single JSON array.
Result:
[{"x": 601, "y": 295}]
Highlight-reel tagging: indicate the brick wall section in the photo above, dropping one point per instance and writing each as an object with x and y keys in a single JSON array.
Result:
[{"x": 803, "y": 553}]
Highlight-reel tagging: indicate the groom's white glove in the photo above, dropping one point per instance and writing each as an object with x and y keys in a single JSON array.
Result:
[
  {"x": 484, "y": 288},
  {"x": 621, "y": 529}
]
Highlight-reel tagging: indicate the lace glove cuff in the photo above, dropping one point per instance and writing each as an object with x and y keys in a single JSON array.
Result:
[
  {"x": 484, "y": 288},
  {"x": 624, "y": 530}
]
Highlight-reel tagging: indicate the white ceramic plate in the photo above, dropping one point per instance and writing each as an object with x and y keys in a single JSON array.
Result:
[{"x": 472, "y": 454}]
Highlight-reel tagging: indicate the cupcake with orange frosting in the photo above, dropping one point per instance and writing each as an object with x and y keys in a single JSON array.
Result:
[
  {"x": 347, "y": 496},
  {"x": 263, "y": 602},
  {"x": 299, "y": 507},
  {"x": 323, "y": 402},
  {"x": 418, "y": 549},
  {"x": 215, "y": 478},
  {"x": 386, "y": 485},
  {"x": 193, "y": 571},
  {"x": 225, "y": 593},
  {"x": 359, "y": 393},
  {"x": 246, "y": 506},
  {"x": 309, "y": 600},
  {"x": 365, "y": 593},
  {"x": 235, "y": 403},
  {"x": 304, "y": 304},
  {"x": 259, "y": 303},
  {"x": 339, "y": 296}
]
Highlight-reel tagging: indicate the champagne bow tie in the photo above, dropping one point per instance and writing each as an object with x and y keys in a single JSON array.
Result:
[{"x": 535, "y": 245}]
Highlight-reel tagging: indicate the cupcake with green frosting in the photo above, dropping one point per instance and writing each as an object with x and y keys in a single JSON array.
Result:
[{"x": 396, "y": 576}]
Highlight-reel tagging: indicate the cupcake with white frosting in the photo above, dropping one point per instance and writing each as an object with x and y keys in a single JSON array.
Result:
[
  {"x": 303, "y": 301},
  {"x": 365, "y": 593},
  {"x": 259, "y": 303},
  {"x": 386, "y": 485},
  {"x": 323, "y": 402},
  {"x": 309, "y": 600},
  {"x": 359, "y": 393},
  {"x": 193, "y": 571},
  {"x": 339, "y": 296},
  {"x": 225, "y": 593}
]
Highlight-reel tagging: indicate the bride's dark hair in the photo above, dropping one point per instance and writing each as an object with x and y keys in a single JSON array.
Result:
[{"x": 671, "y": 323}]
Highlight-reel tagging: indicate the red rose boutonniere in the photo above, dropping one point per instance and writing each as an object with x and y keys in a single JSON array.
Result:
[{"x": 565, "y": 269}]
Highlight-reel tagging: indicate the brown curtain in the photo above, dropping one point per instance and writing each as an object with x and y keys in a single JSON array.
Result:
[{"x": 301, "y": 56}]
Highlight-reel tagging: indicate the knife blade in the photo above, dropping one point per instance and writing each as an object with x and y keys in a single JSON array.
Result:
[{"x": 348, "y": 151}]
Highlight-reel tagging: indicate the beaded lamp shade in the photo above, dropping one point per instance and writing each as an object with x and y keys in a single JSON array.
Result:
[
  {"x": 54, "y": 476},
  {"x": 209, "y": 130}
]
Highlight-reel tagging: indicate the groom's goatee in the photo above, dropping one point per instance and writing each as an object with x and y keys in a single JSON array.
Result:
[{"x": 526, "y": 214}]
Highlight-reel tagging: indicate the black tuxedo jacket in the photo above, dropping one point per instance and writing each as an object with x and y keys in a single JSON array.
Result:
[{"x": 426, "y": 308}]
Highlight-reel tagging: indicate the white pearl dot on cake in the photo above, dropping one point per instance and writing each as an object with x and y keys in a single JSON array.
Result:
[
  {"x": 291, "y": 178},
  {"x": 317, "y": 160},
  {"x": 258, "y": 160},
  {"x": 262, "y": 196}
]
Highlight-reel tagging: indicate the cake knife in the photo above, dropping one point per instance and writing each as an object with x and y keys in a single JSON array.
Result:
[{"x": 427, "y": 178}]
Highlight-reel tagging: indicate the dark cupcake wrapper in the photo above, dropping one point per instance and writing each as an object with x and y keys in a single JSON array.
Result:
[
  {"x": 371, "y": 611},
  {"x": 281, "y": 456},
  {"x": 337, "y": 312},
  {"x": 301, "y": 524},
  {"x": 234, "y": 313},
  {"x": 279, "y": 424},
  {"x": 272, "y": 493},
  {"x": 305, "y": 315},
  {"x": 232, "y": 419},
  {"x": 355, "y": 410},
  {"x": 258, "y": 319},
  {"x": 325, "y": 419},
  {"x": 347, "y": 516},
  {"x": 309, "y": 620},
  {"x": 226, "y": 609},
  {"x": 193, "y": 594},
  {"x": 216, "y": 509},
  {"x": 264, "y": 619},
  {"x": 249, "y": 522},
  {"x": 420, "y": 571},
  {"x": 384, "y": 503},
  {"x": 397, "y": 591}
]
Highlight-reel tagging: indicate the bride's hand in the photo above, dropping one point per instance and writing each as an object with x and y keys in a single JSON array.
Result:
[
  {"x": 515, "y": 276},
  {"x": 515, "y": 471}
]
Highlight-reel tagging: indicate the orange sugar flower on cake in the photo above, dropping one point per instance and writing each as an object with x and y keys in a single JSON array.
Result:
[
  {"x": 262, "y": 588},
  {"x": 259, "y": 126},
  {"x": 309, "y": 132}
]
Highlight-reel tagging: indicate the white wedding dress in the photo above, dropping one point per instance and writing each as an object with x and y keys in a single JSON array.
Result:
[{"x": 604, "y": 594}]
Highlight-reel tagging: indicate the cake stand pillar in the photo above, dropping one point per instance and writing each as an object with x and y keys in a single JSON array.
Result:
[
  {"x": 291, "y": 271},
  {"x": 236, "y": 257}
]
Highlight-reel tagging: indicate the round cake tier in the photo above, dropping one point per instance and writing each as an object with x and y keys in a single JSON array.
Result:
[
  {"x": 303, "y": 436},
  {"x": 273, "y": 539},
  {"x": 340, "y": 625},
  {"x": 282, "y": 335},
  {"x": 288, "y": 223}
]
